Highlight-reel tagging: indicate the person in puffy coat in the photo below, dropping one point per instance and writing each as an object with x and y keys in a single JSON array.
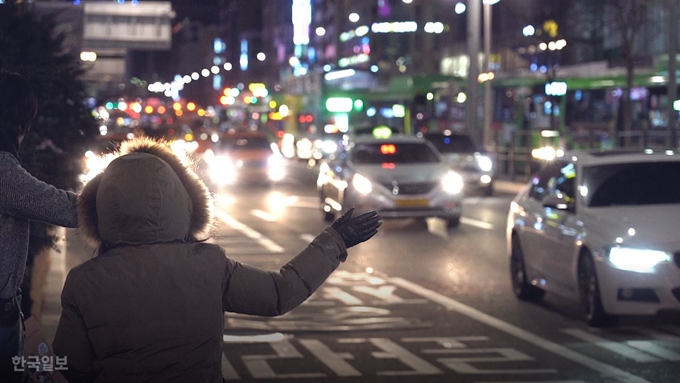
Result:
[{"x": 150, "y": 306}]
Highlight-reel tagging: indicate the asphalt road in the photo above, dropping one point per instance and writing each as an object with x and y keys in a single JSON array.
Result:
[{"x": 418, "y": 303}]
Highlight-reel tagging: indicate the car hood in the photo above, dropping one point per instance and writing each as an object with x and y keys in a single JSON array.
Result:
[
  {"x": 247, "y": 154},
  {"x": 461, "y": 161},
  {"x": 655, "y": 226},
  {"x": 403, "y": 173}
]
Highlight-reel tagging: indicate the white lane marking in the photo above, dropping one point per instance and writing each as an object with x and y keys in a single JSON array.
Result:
[
  {"x": 391, "y": 350},
  {"x": 263, "y": 215},
  {"x": 476, "y": 223},
  {"x": 519, "y": 333},
  {"x": 615, "y": 347},
  {"x": 248, "y": 232},
  {"x": 228, "y": 371},
  {"x": 307, "y": 237},
  {"x": 658, "y": 335},
  {"x": 331, "y": 359},
  {"x": 654, "y": 349},
  {"x": 262, "y": 338}
]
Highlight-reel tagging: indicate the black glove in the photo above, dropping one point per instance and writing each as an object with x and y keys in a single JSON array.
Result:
[{"x": 355, "y": 230}]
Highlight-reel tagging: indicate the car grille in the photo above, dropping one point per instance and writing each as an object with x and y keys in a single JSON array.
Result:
[
  {"x": 676, "y": 256},
  {"x": 411, "y": 188}
]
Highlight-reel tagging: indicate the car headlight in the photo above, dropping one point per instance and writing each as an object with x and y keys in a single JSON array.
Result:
[
  {"x": 222, "y": 170},
  {"x": 638, "y": 260},
  {"x": 361, "y": 184},
  {"x": 452, "y": 183},
  {"x": 275, "y": 167},
  {"x": 484, "y": 163},
  {"x": 329, "y": 146}
]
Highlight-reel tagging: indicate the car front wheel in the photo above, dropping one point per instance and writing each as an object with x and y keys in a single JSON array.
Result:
[
  {"x": 520, "y": 285},
  {"x": 589, "y": 289},
  {"x": 453, "y": 222}
]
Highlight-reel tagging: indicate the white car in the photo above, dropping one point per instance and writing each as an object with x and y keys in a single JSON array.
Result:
[
  {"x": 465, "y": 158},
  {"x": 601, "y": 228},
  {"x": 400, "y": 177}
]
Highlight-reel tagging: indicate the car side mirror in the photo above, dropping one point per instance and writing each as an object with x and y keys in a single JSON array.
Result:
[{"x": 554, "y": 201}]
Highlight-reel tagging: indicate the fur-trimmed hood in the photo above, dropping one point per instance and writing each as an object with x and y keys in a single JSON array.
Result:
[{"x": 147, "y": 195}]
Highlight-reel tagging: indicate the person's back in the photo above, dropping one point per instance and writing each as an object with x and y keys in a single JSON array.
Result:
[
  {"x": 150, "y": 307},
  {"x": 153, "y": 313}
]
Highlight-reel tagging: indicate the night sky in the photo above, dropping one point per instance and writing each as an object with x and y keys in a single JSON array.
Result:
[{"x": 199, "y": 10}]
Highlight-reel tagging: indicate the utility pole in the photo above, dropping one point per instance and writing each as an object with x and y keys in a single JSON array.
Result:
[
  {"x": 472, "y": 91},
  {"x": 488, "y": 92},
  {"x": 672, "y": 82}
]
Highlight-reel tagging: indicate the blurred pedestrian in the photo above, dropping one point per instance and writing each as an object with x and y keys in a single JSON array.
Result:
[
  {"x": 150, "y": 307},
  {"x": 22, "y": 198}
]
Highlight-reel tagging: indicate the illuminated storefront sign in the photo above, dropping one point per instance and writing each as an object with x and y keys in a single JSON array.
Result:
[
  {"x": 394, "y": 27},
  {"x": 302, "y": 18},
  {"x": 353, "y": 60}
]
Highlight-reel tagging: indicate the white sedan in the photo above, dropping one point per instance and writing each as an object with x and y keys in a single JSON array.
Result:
[
  {"x": 601, "y": 228},
  {"x": 399, "y": 177}
]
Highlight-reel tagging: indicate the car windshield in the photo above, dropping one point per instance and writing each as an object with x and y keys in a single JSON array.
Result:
[
  {"x": 646, "y": 183},
  {"x": 456, "y": 143},
  {"x": 391, "y": 152},
  {"x": 246, "y": 143}
]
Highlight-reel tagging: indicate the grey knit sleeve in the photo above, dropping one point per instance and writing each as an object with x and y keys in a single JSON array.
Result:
[{"x": 24, "y": 196}]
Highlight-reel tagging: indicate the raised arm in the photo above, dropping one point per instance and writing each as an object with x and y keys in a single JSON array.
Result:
[
  {"x": 248, "y": 290},
  {"x": 27, "y": 197}
]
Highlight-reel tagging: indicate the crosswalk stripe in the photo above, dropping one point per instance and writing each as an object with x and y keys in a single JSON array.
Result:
[
  {"x": 615, "y": 347},
  {"x": 248, "y": 232},
  {"x": 654, "y": 349},
  {"x": 228, "y": 371}
]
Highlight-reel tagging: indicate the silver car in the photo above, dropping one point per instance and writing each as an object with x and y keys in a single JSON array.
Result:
[
  {"x": 400, "y": 177},
  {"x": 466, "y": 158}
]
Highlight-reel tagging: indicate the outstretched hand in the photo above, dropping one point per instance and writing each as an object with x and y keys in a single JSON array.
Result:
[{"x": 354, "y": 230}]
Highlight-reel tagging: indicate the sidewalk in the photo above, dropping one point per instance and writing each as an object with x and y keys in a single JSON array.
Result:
[{"x": 73, "y": 250}]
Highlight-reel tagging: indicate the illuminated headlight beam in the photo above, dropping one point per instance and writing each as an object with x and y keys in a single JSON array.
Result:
[
  {"x": 638, "y": 260},
  {"x": 452, "y": 183}
]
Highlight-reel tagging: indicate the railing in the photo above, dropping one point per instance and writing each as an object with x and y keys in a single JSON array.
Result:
[{"x": 515, "y": 161}]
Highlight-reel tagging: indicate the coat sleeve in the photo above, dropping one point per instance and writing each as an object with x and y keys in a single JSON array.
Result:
[
  {"x": 27, "y": 197},
  {"x": 71, "y": 339},
  {"x": 249, "y": 290}
]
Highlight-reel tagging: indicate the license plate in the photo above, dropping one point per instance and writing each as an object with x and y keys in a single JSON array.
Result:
[{"x": 421, "y": 202}]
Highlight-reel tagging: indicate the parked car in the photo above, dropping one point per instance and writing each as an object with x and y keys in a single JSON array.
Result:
[
  {"x": 400, "y": 177},
  {"x": 600, "y": 228},
  {"x": 466, "y": 158},
  {"x": 244, "y": 157}
]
